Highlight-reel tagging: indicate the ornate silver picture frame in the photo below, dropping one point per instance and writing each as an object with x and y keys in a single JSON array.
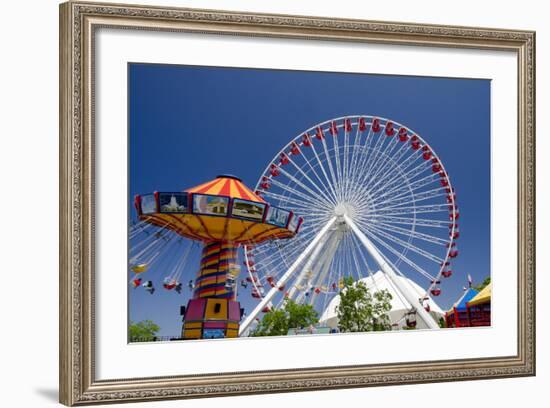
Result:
[{"x": 79, "y": 23}]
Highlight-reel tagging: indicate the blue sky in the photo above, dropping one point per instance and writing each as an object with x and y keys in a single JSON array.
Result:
[{"x": 188, "y": 124}]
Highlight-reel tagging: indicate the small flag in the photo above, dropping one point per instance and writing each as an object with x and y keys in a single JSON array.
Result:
[{"x": 470, "y": 281}]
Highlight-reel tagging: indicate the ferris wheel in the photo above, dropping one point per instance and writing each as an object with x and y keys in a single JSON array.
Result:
[{"x": 375, "y": 197}]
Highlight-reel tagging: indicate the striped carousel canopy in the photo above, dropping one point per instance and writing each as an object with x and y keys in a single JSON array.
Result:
[
  {"x": 223, "y": 209},
  {"x": 226, "y": 185}
]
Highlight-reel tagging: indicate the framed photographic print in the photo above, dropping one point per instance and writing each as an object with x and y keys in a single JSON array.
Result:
[{"x": 259, "y": 203}]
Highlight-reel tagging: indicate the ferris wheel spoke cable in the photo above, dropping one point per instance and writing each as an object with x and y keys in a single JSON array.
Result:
[
  {"x": 323, "y": 191},
  {"x": 337, "y": 163},
  {"x": 420, "y": 209},
  {"x": 322, "y": 167},
  {"x": 333, "y": 199},
  {"x": 301, "y": 204},
  {"x": 405, "y": 167},
  {"x": 295, "y": 192},
  {"x": 398, "y": 254},
  {"x": 381, "y": 164},
  {"x": 395, "y": 185},
  {"x": 395, "y": 161},
  {"x": 331, "y": 169},
  {"x": 403, "y": 197},
  {"x": 356, "y": 145},
  {"x": 309, "y": 212},
  {"x": 364, "y": 158},
  {"x": 378, "y": 143},
  {"x": 421, "y": 222},
  {"x": 393, "y": 178},
  {"x": 402, "y": 150},
  {"x": 405, "y": 244},
  {"x": 345, "y": 169},
  {"x": 375, "y": 217},
  {"x": 363, "y": 187},
  {"x": 419, "y": 197},
  {"x": 381, "y": 152},
  {"x": 362, "y": 167},
  {"x": 304, "y": 186},
  {"x": 415, "y": 234}
]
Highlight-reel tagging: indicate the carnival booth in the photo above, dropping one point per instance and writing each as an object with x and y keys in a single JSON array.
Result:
[
  {"x": 479, "y": 308},
  {"x": 457, "y": 316}
]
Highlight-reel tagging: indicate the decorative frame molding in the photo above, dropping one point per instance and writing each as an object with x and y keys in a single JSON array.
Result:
[{"x": 78, "y": 21}]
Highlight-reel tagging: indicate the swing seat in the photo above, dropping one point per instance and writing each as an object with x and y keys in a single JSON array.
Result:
[
  {"x": 139, "y": 268},
  {"x": 169, "y": 284}
]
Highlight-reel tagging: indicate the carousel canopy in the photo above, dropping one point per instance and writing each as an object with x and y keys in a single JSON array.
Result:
[
  {"x": 223, "y": 209},
  {"x": 227, "y": 185},
  {"x": 484, "y": 296},
  {"x": 400, "y": 306}
]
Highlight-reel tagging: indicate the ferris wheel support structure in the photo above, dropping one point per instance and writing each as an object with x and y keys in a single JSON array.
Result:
[
  {"x": 312, "y": 251},
  {"x": 326, "y": 261},
  {"x": 309, "y": 263},
  {"x": 390, "y": 273},
  {"x": 271, "y": 294}
]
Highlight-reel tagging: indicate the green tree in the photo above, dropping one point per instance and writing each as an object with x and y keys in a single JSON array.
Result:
[
  {"x": 145, "y": 330},
  {"x": 483, "y": 284},
  {"x": 291, "y": 315},
  {"x": 360, "y": 310}
]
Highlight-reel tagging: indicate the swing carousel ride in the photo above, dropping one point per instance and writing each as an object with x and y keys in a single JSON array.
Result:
[
  {"x": 222, "y": 214},
  {"x": 374, "y": 195}
]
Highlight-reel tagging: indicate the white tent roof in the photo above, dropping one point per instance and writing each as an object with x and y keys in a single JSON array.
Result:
[{"x": 399, "y": 304}]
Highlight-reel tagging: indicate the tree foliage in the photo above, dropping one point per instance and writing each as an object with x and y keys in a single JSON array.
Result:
[
  {"x": 292, "y": 315},
  {"x": 482, "y": 285},
  {"x": 360, "y": 310},
  {"x": 145, "y": 330}
]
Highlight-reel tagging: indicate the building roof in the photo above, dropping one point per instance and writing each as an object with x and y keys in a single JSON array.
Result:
[
  {"x": 484, "y": 296},
  {"x": 460, "y": 304}
]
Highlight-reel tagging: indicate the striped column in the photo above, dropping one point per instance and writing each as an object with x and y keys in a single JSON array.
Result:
[
  {"x": 214, "y": 311},
  {"x": 218, "y": 269}
]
